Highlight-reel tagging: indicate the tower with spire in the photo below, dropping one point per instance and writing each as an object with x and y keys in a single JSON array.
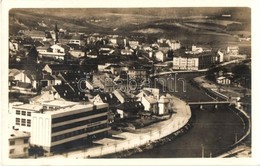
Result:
[{"x": 56, "y": 30}]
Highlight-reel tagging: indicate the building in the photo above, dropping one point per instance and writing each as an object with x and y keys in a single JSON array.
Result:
[
  {"x": 55, "y": 69},
  {"x": 50, "y": 80},
  {"x": 223, "y": 80},
  {"x": 163, "y": 105},
  {"x": 56, "y": 51},
  {"x": 34, "y": 34},
  {"x": 23, "y": 78},
  {"x": 18, "y": 144},
  {"x": 160, "y": 56},
  {"x": 56, "y": 129},
  {"x": 174, "y": 44},
  {"x": 137, "y": 73},
  {"x": 233, "y": 50},
  {"x": 22, "y": 116},
  {"x": 220, "y": 56},
  {"x": 194, "y": 62}
]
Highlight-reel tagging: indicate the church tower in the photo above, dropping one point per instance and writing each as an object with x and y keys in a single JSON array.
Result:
[{"x": 56, "y": 40}]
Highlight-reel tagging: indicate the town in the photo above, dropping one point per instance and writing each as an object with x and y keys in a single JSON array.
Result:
[{"x": 82, "y": 95}]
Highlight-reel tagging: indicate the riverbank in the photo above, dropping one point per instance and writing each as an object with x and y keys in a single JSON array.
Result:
[{"x": 141, "y": 137}]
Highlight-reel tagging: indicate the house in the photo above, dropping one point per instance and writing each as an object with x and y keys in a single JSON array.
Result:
[
  {"x": 77, "y": 52},
  {"x": 127, "y": 51},
  {"x": 69, "y": 92},
  {"x": 160, "y": 56},
  {"x": 55, "y": 69},
  {"x": 56, "y": 51},
  {"x": 115, "y": 69},
  {"x": 223, "y": 80},
  {"x": 124, "y": 97},
  {"x": 174, "y": 44},
  {"x": 50, "y": 80},
  {"x": 47, "y": 94},
  {"x": 133, "y": 44},
  {"x": 129, "y": 109},
  {"x": 164, "y": 47},
  {"x": 149, "y": 98},
  {"x": 26, "y": 78},
  {"x": 18, "y": 144},
  {"x": 74, "y": 41},
  {"x": 34, "y": 34},
  {"x": 101, "y": 82}
]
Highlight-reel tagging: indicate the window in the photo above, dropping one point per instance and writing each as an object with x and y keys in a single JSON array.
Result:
[
  {"x": 25, "y": 149},
  {"x": 28, "y": 122},
  {"x": 23, "y": 122},
  {"x": 11, "y": 151},
  {"x": 18, "y": 112},
  {"x": 23, "y": 113},
  {"x": 28, "y": 113},
  {"x": 12, "y": 142},
  {"x": 17, "y": 121},
  {"x": 25, "y": 140}
]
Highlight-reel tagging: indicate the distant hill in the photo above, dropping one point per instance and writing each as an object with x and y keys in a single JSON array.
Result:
[{"x": 125, "y": 20}]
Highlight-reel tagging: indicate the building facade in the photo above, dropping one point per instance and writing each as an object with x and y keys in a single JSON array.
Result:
[{"x": 56, "y": 129}]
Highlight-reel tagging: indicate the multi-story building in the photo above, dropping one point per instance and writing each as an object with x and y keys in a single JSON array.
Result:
[
  {"x": 22, "y": 116},
  {"x": 18, "y": 144},
  {"x": 56, "y": 129},
  {"x": 194, "y": 62},
  {"x": 137, "y": 73}
]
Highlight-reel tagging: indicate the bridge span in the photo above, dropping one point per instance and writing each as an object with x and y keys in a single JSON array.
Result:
[{"x": 214, "y": 103}]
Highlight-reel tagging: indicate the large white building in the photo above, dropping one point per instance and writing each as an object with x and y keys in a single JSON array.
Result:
[
  {"x": 194, "y": 62},
  {"x": 56, "y": 129},
  {"x": 57, "y": 125}
]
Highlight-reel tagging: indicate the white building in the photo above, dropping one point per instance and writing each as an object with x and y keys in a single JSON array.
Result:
[
  {"x": 174, "y": 44},
  {"x": 233, "y": 50},
  {"x": 60, "y": 128},
  {"x": 223, "y": 80},
  {"x": 163, "y": 104},
  {"x": 221, "y": 56},
  {"x": 22, "y": 116},
  {"x": 185, "y": 63},
  {"x": 160, "y": 56}
]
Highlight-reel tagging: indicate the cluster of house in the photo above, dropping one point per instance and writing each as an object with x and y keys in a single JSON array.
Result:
[
  {"x": 54, "y": 44},
  {"x": 74, "y": 105},
  {"x": 54, "y": 124}
]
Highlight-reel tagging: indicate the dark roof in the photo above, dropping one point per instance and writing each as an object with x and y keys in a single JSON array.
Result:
[
  {"x": 69, "y": 67},
  {"x": 109, "y": 98},
  {"x": 163, "y": 45},
  {"x": 131, "y": 106},
  {"x": 72, "y": 77},
  {"x": 70, "y": 92}
]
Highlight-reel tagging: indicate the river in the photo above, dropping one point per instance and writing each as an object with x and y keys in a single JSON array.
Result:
[{"x": 213, "y": 129}]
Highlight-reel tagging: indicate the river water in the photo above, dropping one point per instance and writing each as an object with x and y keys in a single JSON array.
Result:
[{"x": 213, "y": 129}]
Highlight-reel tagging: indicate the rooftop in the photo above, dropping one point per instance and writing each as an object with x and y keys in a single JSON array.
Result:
[
  {"x": 60, "y": 103},
  {"x": 32, "y": 107},
  {"x": 87, "y": 107},
  {"x": 18, "y": 134}
]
